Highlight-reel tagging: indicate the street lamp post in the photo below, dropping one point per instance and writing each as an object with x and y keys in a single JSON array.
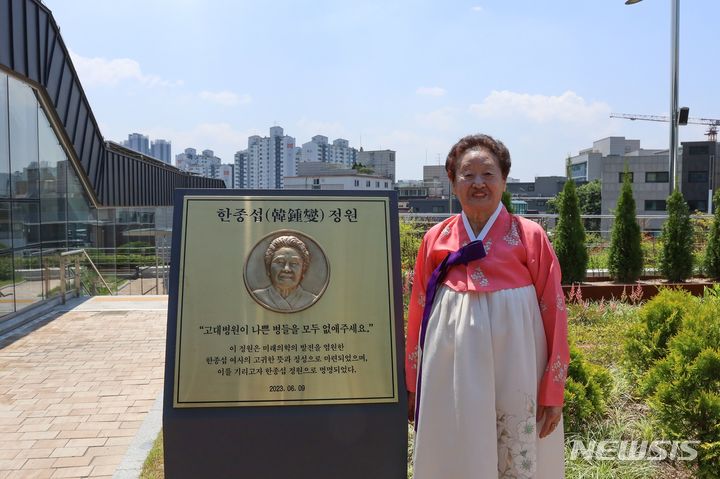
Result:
[{"x": 674, "y": 77}]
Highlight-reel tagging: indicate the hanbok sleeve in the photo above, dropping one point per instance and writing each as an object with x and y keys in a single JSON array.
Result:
[
  {"x": 415, "y": 313},
  {"x": 545, "y": 272}
]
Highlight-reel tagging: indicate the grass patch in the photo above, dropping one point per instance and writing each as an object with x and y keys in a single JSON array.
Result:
[
  {"x": 599, "y": 329},
  {"x": 154, "y": 466}
]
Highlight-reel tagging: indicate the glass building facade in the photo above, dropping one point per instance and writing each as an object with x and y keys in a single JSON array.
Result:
[{"x": 45, "y": 208}]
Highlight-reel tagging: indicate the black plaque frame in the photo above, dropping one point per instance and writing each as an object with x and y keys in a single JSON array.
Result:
[{"x": 350, "y": 441}]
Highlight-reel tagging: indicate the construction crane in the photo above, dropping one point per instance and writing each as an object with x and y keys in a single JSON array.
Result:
[{"x": 712, "y": 123}]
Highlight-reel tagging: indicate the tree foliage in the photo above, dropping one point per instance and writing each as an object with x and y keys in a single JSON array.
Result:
[
  {"x": 589, "y": 199},
  {"x": 712, "y": 254},
  {"x": 660, "y": 320},
  {"x": 586, "y": 391},
  {"x": 684, "y": 386},
  {"x": 676, "y": 255},
  {"x": 507, "y": 201},
  {"x": 569, "y": 237},
  {"x": 366, "y": 170},
  {"x": 625, "y": 261}
]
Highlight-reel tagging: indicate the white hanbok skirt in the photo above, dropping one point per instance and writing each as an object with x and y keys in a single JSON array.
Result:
[{"x": 484, "y": 357}]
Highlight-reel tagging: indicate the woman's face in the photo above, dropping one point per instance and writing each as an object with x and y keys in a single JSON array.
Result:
[
  {"x": 286, "y": 268},
  {"x": 479, "y": 183}
]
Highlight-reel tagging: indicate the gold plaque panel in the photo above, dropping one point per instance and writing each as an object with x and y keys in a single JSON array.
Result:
[{"x": 285, "y": 300}]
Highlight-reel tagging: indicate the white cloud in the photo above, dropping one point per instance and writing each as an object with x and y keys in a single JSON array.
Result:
[
  {"x": 442, "y": 119},
  {"x": 477, "y": 8},
  {"x": 431, "y": 91},
  {"x": 225, "y": 98},
  {"x": 103, "y": 72},
  {"x": 568, "y": 107}
]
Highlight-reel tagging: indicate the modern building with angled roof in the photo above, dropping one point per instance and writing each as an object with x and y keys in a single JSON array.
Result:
[{"x": 62, "y": 186}]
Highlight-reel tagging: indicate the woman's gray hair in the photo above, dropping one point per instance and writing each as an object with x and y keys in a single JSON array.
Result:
[{"x": 287, "y": 242}]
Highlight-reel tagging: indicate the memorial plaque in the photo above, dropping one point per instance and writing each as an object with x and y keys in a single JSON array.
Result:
[
  {"x": 284, "y": 337},
  {"x": 285, "y": 300}
]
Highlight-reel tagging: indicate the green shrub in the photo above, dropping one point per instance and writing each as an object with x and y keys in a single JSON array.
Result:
[
  {"x": 684, "y": 387},
  {"x": 712, "y": 253},
  {"x": 626, "y": 258},
  {"x": 507, "y": 201},
  {"x": 676, "y": 255},
  {"x": 410, "y": 239},
  {"x": 660, "y": 320},
  {"x": 569, "y": 237},
  {"x": 586, "y": 391}
]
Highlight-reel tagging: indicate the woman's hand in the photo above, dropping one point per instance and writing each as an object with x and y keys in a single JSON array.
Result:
[
  {"x": 552, "y": 415},
  {"x": 411, "y": 406}
]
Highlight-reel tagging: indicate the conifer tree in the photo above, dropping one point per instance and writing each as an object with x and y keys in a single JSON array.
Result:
[
  {"x": 569, "y": 237},
  {"x": 676, "y": 255},
  {"x": 625, "y": 261},
  {"x": 712, "y": 254}
]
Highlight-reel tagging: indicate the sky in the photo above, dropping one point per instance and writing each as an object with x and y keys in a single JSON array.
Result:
[{"x": 413, "y": 76}]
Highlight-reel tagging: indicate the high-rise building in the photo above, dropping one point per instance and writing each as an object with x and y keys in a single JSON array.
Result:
[
  {"x": 204, "y": 164},
  {"x": 382, "y": 162},
  {"x": 138, "y": 142},
  {"x": 162, "y": 150},
  {"x": 268, "y": 160},
  {"x": 225, "y": 173},
  {"x": 318, "y": 149},
  {"x": 159, "y": 149},
  {"x": 241, "y": 158}
]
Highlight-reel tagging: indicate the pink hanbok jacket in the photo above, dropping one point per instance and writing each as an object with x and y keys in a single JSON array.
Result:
[{"x": 518, "y": 254}]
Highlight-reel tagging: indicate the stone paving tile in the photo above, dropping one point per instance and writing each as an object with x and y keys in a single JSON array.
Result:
[
  {"x": 72, "y": 472},
  {"x": 29, "y": 474},
  {"x": 36, "y": 453},
  {"x": 74, "y": 391},
  {"x": 77, "y": 461},
  {"x": 44, "y": 463}
]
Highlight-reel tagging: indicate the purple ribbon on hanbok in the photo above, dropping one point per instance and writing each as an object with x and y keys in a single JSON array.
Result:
[{"x": 469, "y": 252}]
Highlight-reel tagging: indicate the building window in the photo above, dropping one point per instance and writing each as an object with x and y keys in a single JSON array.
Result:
[
  {"x": 377, "y": 184},
  {"x": 386, "y": 184},
  {"x": 357, "y": 182},
  {"x": 579, "y": 170},
  {"x": 697, "y": 205},
  {"x": 656, "y": 177},
  {"x": 698, "y": 150},
  {"x": 316, "y": 181},
  {"x": 697, "y": 176},
  {"x": 655, "y": 205},
  {"x": 621, "y": 176},
  {"x": 367, "y": 183}
]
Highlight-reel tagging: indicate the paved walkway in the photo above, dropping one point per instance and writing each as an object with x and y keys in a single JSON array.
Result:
[{"x": 75, "y": 389}]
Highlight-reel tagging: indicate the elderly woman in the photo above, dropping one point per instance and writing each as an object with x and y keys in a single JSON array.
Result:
[
  {"x": 487, "y": 351},
  {"x": 286, "y": 262}
]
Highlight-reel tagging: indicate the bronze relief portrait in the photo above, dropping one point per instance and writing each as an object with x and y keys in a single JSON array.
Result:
[{"x": 286, "y": 272}]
